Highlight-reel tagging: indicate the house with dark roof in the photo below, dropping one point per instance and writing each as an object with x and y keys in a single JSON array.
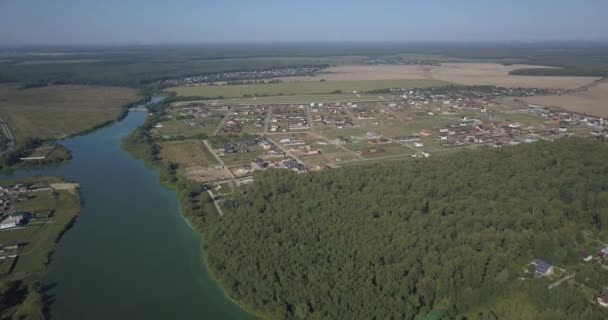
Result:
[{"x": 543, "y": 268}]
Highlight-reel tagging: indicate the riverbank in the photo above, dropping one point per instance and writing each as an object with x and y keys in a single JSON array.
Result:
[
  {"x": 195, "y": 204},
  {"x": 45, "y": 214},
  {"x": 131, "y": 245},
  {"x": 41, "y": 115}
]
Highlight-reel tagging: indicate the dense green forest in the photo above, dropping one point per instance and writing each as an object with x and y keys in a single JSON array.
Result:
[{"x": 399, "y": 240}]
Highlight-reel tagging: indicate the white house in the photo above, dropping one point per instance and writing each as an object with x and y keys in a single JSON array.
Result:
[{"x": 10, "y": 222}]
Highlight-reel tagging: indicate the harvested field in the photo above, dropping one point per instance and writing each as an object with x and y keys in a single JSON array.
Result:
[
  {"x": 593, "y": 101},
  {"x": 60, "y": 111},
  {"x": 458, "y": 73}
]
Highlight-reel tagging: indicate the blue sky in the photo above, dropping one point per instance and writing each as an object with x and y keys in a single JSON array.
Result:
[{"x": 190, "y": 21}]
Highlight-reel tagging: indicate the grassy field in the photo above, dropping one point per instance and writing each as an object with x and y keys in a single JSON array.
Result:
[
  {"x": 187, "y": 153},
  {"x": 60, "y": 111},
  {"x": 299, "y": 88}
]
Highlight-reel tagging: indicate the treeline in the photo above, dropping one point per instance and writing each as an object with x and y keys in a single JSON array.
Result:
[
  {"x": 400, "y": 239},
  {"x": 12, "y": 157}
]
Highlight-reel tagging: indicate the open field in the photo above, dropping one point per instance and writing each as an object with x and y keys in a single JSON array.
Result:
[
  {"x": 187, "y": 153},
  {"x": 50, "y": 214},
  {"x": 301, "y": 88},
  {"x": 457, "y": 73},
  {"x": 60, "y": 111},
  {"x": 593, "y": 101}
]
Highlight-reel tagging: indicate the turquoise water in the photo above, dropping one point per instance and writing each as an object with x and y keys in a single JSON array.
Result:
[{"x": 130, "y": 255}]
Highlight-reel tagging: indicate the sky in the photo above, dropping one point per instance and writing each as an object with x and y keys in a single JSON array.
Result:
[{"x": 27, "y": 22}]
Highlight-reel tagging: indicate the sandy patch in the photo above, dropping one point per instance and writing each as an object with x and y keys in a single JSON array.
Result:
[
  {"x": 459, "y": 73},
  {"x": 207, "y": 174},
  {"x": 71, "y": 187},
  {"x": 593, "y": 101}
]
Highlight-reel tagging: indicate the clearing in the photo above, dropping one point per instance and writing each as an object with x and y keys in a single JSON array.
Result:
[{"x": 187, "y": 153}]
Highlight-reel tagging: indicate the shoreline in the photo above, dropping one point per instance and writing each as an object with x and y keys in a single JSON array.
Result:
[{"x": 187, "y": 216}]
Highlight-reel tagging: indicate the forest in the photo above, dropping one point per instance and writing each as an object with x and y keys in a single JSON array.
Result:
[
  {"x": 450, "y": 235},
  {"x": 142, "y": 66}
]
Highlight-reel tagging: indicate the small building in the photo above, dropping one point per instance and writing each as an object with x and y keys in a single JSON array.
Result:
[
  {"x": 11, "y": 222},
  {"x": 543, "y": 268},
  {"x": 602, "y": 298}
]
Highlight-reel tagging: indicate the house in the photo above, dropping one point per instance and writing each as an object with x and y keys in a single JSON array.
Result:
[
  {"x": 602, "y": 298},
  {"x": 543, "y": 268},
  {"x": 418, "y": 144},
  {"x": 586, "y": 256},
  {"x": 11, "y": 222}
]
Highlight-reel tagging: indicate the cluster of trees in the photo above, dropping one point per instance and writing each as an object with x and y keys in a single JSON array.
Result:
[
  {"x": 399, "y": 240},
  {"x": 18, "y": 300}
]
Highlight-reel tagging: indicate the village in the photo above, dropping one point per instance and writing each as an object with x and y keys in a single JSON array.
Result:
[
  {"x": 223, "y": 145},
  {"x": 320, "y": 136}
]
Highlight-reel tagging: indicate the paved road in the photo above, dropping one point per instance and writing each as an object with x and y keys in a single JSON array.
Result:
[{"x": 8, "y": 134}]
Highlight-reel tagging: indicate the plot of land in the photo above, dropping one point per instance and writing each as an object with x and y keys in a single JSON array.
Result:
[
  {"x": 298, "y": 88},
  {"x": 458, "y": 73},
  {"x": 59, "y": 111},
  {"x": 206, "y": 174},
  {"x": 593, "y": 101},
  {"x": 187, "y": 153}
]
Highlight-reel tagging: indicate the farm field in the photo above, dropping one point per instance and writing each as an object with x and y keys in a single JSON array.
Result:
[
  {"x": 300, "y": 88},
  {"x": 593, "y": 101},
  {"x": 59, "y": 111},
  {"x": 456, "y": 73}
]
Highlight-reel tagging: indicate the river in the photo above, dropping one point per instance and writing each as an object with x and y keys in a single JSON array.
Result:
[{"x": 131, "y": 254}]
